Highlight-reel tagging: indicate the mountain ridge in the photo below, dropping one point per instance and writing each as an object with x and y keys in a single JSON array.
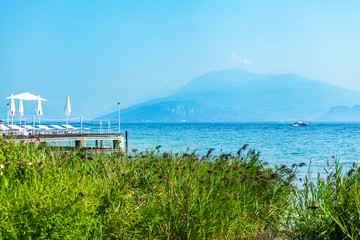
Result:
[
  {"x": 239, "y": 95},
  {"x": 342, "y": 114}
]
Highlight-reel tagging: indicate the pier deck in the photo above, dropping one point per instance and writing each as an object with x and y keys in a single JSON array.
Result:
[{"x": 80, "y": 139}]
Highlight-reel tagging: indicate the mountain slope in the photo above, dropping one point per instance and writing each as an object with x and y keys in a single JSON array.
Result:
[
  {"x": 238, "y": 95},
  {"x": 342, "y": 114},
  {"x": 239, "y": 88},
  {"x": 175, "y": 111}
]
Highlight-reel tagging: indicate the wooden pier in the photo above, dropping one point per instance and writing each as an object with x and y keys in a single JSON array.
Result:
[{"x": 80, "y": 139}]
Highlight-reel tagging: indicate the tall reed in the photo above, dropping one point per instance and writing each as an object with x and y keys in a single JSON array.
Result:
[
  {"x": 57, "y": 194},
  {"x": 54, "y": 193},
  {"x": 329, "y": 207}
]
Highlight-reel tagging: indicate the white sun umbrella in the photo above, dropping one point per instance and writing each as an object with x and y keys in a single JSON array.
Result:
[
  {"x": 11, "y": 109},
  {"x": 67, "y": 109},
  {"x": 38, "y": 109},
  {"x": 20, "y": 110},
  {"x": 26, "y": 97}
]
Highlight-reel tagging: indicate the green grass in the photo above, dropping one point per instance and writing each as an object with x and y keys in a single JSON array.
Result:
[
  {"x": 328, "y": 208},
  {"x": 54, "y": 194}
]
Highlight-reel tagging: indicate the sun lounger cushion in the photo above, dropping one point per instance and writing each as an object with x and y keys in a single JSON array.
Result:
[
  {"x": 69, "y": 127},
  {"x": 28, "y": 127},
  {"x": 3, "y": 127},
  {"x": 43, "y": 127},
  {"x": 57, "y": 127},
  {"x": 14, "y": 127}
]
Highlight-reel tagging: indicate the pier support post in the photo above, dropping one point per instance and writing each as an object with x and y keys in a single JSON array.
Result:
[
  {"x": 122, "y": 145},
  {"x": 126, "y": 142},
  {"x": 80, "y": 143},
  {"x": 116, "y": 144},
  {"x": 83, "y": 143},
  {"x": 96, "y": 144}
]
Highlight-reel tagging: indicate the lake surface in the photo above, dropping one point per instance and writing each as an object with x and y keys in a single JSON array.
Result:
[{"x": 278, "y": 143}]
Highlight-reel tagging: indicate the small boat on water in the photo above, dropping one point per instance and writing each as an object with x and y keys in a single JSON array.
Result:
[{"x": 300, "y": 123}]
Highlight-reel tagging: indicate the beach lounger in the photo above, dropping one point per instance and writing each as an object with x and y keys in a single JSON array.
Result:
[
  {"x": 70, "y": 128},
  {"x": 57, "y": 128},
  {"x": 28, "y": 127},
  {"x": 17, "y": 129},
  {"x": 4, "y": 128},
  {"x": 43, "y": 128}
]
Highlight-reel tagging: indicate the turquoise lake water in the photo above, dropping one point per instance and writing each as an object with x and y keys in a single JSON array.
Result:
[{"x": 278, "y": 143}]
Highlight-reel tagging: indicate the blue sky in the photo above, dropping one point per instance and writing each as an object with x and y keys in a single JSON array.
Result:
[{"x": 102, "y": 52}]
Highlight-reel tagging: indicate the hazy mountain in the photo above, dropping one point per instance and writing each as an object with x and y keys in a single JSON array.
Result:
[
  {"x": 238, "y": 95},
  {"x": 165, "y": 92},
  {"x": 342, "y": 114},
  {"x": 175, "y": 111}
]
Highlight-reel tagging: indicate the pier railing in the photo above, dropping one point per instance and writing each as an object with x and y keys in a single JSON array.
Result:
[
  {"x": 93, "y": 133},
  {"x": 83, "y": 124}
]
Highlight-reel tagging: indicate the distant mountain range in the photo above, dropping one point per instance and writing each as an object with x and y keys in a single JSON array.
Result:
[
  {"x": 342, "y": 114},
  {"x": 235, "y": 95}
]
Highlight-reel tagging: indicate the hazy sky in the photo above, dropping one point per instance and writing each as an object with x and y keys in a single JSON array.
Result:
[{"x": 102, "y": 52}]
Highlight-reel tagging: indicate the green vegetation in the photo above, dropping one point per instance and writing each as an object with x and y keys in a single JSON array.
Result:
[
  {"x": 328, "y": 209},
  {"x": 56, "y": 194}
]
